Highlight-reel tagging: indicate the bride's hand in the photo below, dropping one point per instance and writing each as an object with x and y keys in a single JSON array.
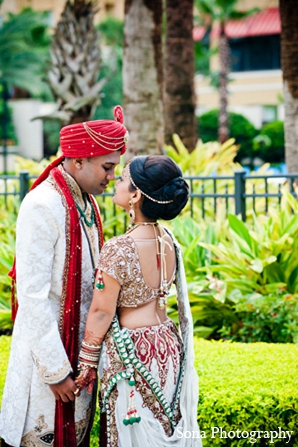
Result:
[{"x": 86, "y": 379}]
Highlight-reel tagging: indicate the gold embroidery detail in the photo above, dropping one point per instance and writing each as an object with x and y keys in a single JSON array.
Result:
[
  {"x": 39, "y": 437},
  {"x": 82, "y": 426},
  {"x": 49, "y": 377},
  {"x": 119, "y": 259},
  {"x": 41, "y": 424}
]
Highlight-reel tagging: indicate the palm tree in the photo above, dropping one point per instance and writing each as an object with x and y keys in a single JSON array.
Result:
[
  {"x": 220, "y": 11},
  {"x": 143, "y": 76},
  {"x": 111, "y": 34},
  {"x": 75, "y": 63},
  {"x": 289, "y": 59},
  {"x": 179, "y": 96}
]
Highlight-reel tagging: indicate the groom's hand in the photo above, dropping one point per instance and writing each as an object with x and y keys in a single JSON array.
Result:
[{"x": 65, "y": 391}]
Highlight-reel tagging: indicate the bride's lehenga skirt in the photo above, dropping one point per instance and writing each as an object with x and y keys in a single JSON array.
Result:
[{"x": 160, "y": 351}]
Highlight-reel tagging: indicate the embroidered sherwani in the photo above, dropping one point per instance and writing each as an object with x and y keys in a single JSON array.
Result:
[{"x": 38, "y": 358}]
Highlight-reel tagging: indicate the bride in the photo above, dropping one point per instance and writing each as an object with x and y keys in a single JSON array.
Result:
[{"x": 148, "y": 389}]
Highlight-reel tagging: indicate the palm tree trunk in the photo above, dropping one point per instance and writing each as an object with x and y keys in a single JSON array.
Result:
[
  {"x": 179, "y": 94},
  {"x": 224, "y": 57},
  {"x": 289, "y": 59},
  {"x": 142, "y": 76},
  {"x": 75, "y": 65}
]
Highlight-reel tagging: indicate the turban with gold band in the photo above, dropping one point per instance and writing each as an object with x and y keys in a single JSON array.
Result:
[
  {"x": 94, "y": 138},
  {"x": 90, "y": 139}
]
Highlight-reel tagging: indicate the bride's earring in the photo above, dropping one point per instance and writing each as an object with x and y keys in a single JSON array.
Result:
[{"x": 132, "y": 215}]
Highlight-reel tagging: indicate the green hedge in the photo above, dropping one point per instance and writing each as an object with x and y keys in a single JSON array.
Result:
[
  {"x": 275, "y": 151},
  {"x": 240, "y": 128},
  {"x": 245, "y": 387},
  {"x": 4, "y": 354}
]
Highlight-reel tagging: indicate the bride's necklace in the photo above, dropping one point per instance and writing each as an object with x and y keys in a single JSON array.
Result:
[
  {"x": 138, "y": 224},
  {"x": 160, "y": 260}
]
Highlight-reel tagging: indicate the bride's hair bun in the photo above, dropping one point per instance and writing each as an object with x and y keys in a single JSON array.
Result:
[{"x": 159, "y": 178}]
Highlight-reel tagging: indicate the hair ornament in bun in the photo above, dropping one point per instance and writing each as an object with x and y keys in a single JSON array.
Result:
[{"x": 161, "y": 202}]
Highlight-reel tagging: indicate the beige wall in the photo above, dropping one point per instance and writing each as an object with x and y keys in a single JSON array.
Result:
[
  {"x": 248, "y": 4},
  {"x": 247, "y": 88}
]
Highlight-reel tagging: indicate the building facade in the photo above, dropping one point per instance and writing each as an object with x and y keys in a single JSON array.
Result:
[{"x": 255, "y": 87}]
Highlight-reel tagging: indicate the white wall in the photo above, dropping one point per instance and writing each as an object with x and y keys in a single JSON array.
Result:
[
  {"x": 29, "y": 133},
  {"x": 254, "y": 114}
]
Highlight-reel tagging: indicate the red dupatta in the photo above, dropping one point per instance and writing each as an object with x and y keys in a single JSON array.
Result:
[{"x": 65, "y": 434}]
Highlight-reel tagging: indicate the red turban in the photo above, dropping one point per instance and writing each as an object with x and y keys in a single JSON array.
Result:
[
  {"x": 90, "y": 139},
  {"x": 94, "y": 138}
]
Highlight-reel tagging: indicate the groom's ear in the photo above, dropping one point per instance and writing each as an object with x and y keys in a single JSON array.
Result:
[{"x": 78, "y": 163}]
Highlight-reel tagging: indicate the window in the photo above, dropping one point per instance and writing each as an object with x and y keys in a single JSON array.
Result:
[
  {"x": 269, "y": 114},
  {"x": 255, "y": 53}
]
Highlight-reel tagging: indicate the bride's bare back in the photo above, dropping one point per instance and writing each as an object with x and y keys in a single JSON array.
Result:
[{"x": 148, "y": 246}]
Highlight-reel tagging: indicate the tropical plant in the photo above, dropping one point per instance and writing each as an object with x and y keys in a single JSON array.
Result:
[
  {"x": 289, "y": 51},
  {"x": 260, "y": 256},
  {"x": 143, "y": 77},
  {"x": 256, "y": 259},
  {"x": 219, "y": 12},
  {"x": 206, "y": 159},
  {"x": 51, "y": 131},
  {"x": 179, "y": 90},
  {"x": 75, "y": 63},
  {"x": 209, "y": 310},
  {"x": 7, "y": 248},
  {"x": 32, "y": 166},
  {"x": 24, "y": 48},
  {"x": 9, "y": 132}
]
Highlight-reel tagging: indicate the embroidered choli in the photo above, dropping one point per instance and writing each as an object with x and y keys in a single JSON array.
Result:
[{"x": 119, "y": 259}]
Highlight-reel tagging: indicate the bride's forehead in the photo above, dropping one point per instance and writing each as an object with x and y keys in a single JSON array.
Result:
[{"x": 125, "y": 172}]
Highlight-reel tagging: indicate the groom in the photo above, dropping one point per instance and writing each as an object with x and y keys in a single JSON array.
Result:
[{"x": 59, "y": 235}]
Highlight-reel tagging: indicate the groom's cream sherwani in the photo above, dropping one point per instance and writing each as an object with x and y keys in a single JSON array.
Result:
[{"x": 38, "y": 357}]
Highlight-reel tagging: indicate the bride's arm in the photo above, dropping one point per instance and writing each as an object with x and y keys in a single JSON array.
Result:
[
  {"x": 102, "y": 310},
  {"x": 100, "y": 316}
]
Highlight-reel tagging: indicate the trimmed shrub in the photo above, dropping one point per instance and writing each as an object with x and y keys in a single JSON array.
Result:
[
  {"x": 240, "y": 128},
  {"x": 247, "y": 387},
  {"x": 4, "y": 350},
  {"x": 275, "y": 152}
]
